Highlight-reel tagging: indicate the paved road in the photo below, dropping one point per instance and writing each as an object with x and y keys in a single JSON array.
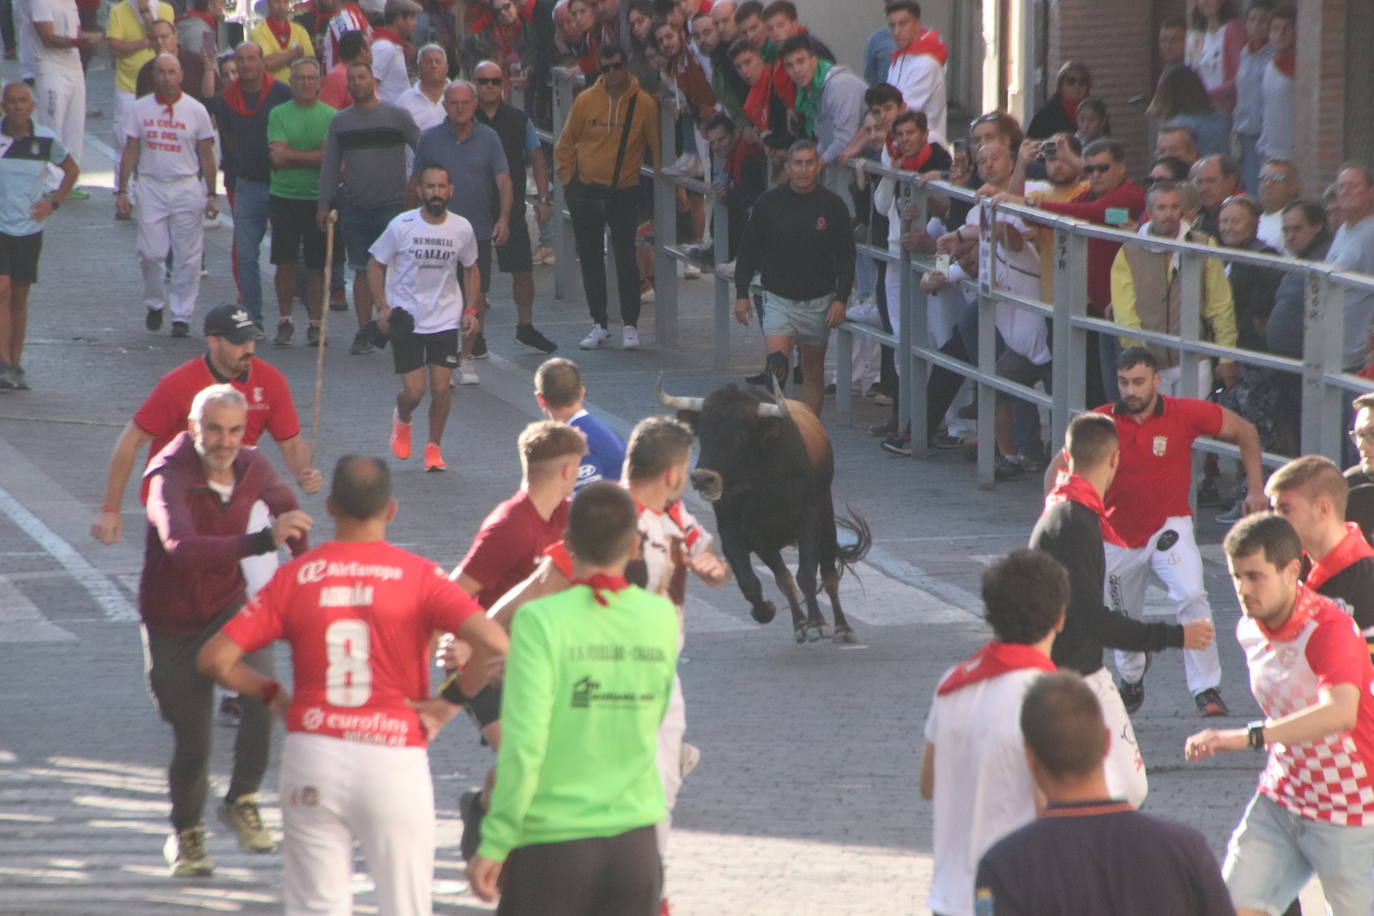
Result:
[{"x": 805, "y": 799}]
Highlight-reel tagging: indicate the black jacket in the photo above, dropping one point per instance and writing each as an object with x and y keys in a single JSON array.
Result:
[{"x": 1072, "y": 534}]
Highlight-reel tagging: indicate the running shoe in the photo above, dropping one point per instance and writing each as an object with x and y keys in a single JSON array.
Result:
[
  {"x": 78, "y": 194},
  {"x": 467, "y": 372},
  {"x": 527, "y": 335},
  {"x": 598, "y": 336},
  {"x": 285, "y": 331},
  {"x": 361, "y": 344},
  {"x": 181, "y": 329},
  {"x": 312, "y": 335},
  {"x": 1133, "y": 695},
  {"x": 1005, "y": 468},
  {"x": 898, "y": 445},
  {"x": 338, "y": 302},
  {"x": 479, "y": 346},
  {"x": 185, "y": 853},
  {"x": 762, "y": 380},
  {"x": 946, "y": 441},
  {"x": 230, "y": 710},
  {"x": 242, "y": 817},
  {"x": 1210, "y": 704},
  {"x": 629, "y": 338},
  {"x": 6, "y": 376},
  {"x": 153, "y": 320},
  {"x": 883, "y": 430},
  {"x": 18, "y": 379},
  {"x": 434, "y": 459},
  {"x": 400, "y": 437}
]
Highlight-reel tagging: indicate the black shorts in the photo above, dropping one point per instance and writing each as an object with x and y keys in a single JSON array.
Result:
[
  {"x": 417, "y": 350},
  {"x": 611, "y": 876},
  {"x": 19, "y": 257},
  {"x": 515, "y": 257},
  {"x": 293, "y": 225}
]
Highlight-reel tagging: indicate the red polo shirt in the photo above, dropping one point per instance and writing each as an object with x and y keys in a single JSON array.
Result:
[{"x": 1156, "y": 469}]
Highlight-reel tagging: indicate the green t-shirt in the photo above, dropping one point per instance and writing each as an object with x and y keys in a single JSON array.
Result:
[
  {"x": 301, "y": 129},
  {"x": 585, "y": 691}
]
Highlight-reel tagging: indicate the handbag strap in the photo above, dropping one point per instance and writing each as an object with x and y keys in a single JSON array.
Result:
[{"x": 624, "y": 139}]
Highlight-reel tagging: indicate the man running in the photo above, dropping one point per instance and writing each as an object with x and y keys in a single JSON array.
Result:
[
  {"x": 201, "y": 491},
  {"x": 358, "y": 614},
  {"x": 1147, "y": 505},
  {"x": 586, "y": 688},
  {"x": 414, "y": 266}
]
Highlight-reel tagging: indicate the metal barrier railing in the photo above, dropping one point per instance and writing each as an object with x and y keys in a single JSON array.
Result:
[{"x": 1324, "y": 388}]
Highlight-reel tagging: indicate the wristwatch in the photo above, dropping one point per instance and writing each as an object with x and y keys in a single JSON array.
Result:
[{"x": 1255, "y": 735}]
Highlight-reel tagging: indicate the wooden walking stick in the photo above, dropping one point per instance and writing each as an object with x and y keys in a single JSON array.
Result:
[{"x": 324, "y": 326}]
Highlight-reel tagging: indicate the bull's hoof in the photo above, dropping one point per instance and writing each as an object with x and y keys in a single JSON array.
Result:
[
  {"x": 843, "y": 635},
  {"x": 763, "y": 613},
  {"x": 799, "y": 633},
  {"x": 815, "y": 632}
]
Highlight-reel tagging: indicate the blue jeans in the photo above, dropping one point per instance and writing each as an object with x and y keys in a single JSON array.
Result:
[
  {"x": 250, "y": 227},
  {"x": 1249, "y": 162}
]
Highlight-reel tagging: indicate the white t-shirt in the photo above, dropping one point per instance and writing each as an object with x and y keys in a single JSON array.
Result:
[
  {"x": 389, "y": 64},
  {"x": 921, "y": 80},
  {"x": 1271, "y": 230},
  {"x": 983, "y": 787},
  {"x": 1205, "y": 53},
  {"x": 169, "y": 141},
  {"x": 1018, "y": 272},
  {"x": 65, "y": 22},
  {"x": 423, "y": 267},
  {"x": 427, "y": 114}
]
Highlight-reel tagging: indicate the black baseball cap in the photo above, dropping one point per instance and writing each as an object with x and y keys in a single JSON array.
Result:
[{"x": 233, "y": 323}]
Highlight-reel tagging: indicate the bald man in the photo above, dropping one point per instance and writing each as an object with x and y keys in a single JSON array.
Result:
[{"x": 169, "y": 143}]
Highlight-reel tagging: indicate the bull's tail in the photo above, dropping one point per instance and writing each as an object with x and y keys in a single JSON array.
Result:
[{"x": 851, "y": 554}]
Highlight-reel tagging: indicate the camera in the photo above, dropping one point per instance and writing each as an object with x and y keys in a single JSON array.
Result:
[{"x": 1049, "y": 148}]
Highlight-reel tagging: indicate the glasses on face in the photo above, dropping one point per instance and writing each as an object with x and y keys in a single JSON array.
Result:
[
  {"x": 1361, "y": 435},
  {"x": 1100, "y": 169},
  {"x": 612, "y": 67},
  {"x": 489, "y": 80},
  {"x": 1075, "y": 81},
  {"x": 1272, "y": 178}
]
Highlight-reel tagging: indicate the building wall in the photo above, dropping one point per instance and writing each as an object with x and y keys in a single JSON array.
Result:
[{"x": 1320, "y": 91}]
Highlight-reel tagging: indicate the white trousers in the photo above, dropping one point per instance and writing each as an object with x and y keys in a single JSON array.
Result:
[
  {"x": 61, "y": 95},
  {"x": 26, "y": 36},
  {"x": 1171, "y": 380},
  {"x": 119, "y": 124},
  {"x": 171, "y": 218},
  {"x": 334, "y": 792},
  {"x": 1125, "y": 767},
  {"x": 1178, "y": 568},
  {"x": 670, "y": 734}
]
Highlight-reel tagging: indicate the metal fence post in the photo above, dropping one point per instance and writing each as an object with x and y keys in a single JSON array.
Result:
[
  {"x": 720, "y": 233},
  {"x": 1070, "y": 343},
  {"x": 1322, "y": 348},
  {"x": 915, "y": 328},
  {"x": 986, "y": 357},
  {"x": 565, "y": 249},
  {"x": 903, "y": 359},
  {"x": 665, "y": 236},
  {"x": 1190, "y": 272}
]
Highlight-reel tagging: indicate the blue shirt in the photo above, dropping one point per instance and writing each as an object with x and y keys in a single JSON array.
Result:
[
  {"x": 605, "y": 450},
  {"x": 878, "y": 51},
  {"x": 473, "y": 165},
  {"x": 23, "y": 168}
]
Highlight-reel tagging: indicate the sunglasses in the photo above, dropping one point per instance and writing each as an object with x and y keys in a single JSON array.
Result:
[
  {"x": 1101, "y": 169},
  {"x": 489, "y": 80},
  {"x": 1271, "y": 178},
  {"x": 612, "y": 67}
]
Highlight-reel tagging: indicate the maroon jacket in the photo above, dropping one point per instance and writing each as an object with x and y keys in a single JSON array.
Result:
[
  {"x": 1128, "y": 196},
  {"x": 195, "y": 540}
]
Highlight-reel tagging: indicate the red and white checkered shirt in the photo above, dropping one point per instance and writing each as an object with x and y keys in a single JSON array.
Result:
[{"x": 1331, "y": 779}]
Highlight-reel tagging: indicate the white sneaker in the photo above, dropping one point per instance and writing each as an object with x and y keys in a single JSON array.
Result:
[
  {"x": 596, "y": 338},
  {"x": 467, "y": 372},
  {"x": 630, "y": 338},
  {"x": 690, "y": 756},
  {"x": 688, "y": 271},
  {"x": 646, "y": 296}
]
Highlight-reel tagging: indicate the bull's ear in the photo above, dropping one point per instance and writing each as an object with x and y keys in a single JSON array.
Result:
[{"x": 689, "y": 417}]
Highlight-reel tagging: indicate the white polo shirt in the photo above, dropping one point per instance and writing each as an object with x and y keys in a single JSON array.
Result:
[
  {"x": 168, "y": 138},
  {"x": 422, "y": 261}
]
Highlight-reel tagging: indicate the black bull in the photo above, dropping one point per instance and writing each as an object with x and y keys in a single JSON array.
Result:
[{"x": 766, "y": 465}]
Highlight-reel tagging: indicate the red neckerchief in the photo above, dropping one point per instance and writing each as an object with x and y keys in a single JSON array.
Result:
[
  {"x": 562, "y": 560},
  {"x": 1352, "y": 548},
  {"x": 382, "y": 32},
  {"x": 1305, "y": 607},
  {"x": 1287, "y": 63},
  {"x": 233, "y": 96},
  {"x": 783, "y": 87},
  {"x": 1072, "y": 488},
  {"x": 734, "y": 163},
  {"x": 602, "y": 583},
  {"x": 169, "y": 103},
  {"x": 281, "y": 31},
  {"x": 756, "y": 103},
  {"x": 1071, "y": 108},
  {"x": 928, "y": 42},
  {"x": 203, "y": 17},
  {"x": 993, "y": 660},
  {"x": 909, "y": 163}
]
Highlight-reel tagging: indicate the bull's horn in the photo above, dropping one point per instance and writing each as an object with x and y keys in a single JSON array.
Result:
[
  {"x": 778, "y": 397},
  {"x": 772, "y": 410},
  {"x": 676, "y": 403}
]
